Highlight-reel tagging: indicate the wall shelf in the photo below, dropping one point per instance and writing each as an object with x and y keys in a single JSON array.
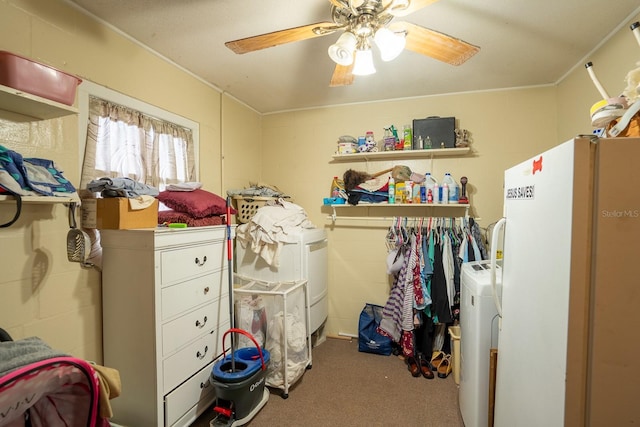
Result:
[
  {"x": 402, "y": 154},
  {"x": 43, "y": 199},
  {"x": 30, "y": 105},
  {"x": 367, "y": 211}
]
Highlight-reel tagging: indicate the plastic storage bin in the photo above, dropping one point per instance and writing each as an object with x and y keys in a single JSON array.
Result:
[
  {"x": 277, "y": 315},
  {"x": 37, "y": 79},
  {"x": 454, "y": 332}
]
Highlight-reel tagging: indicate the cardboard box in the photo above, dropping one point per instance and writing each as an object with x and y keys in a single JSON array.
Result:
[
  {"x": 115, "y": 213},
  {"x": 440, "y": 130}
]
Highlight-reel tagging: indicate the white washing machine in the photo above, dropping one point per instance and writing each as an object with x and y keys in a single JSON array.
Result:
[
  {"x": 478, "y": 334},
  {"x": 306, "y": 259}
]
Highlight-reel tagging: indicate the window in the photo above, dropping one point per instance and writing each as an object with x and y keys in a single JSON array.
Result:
[
  {"x": 127, "y": 138},
  {"x": 120, "y": 136}
]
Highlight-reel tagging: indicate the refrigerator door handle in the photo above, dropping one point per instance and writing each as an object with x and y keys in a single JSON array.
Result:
[{"x": 494, "y": 256}]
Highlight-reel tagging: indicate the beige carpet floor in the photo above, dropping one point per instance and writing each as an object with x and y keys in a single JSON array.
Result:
[{"x": 345, "y": 387}]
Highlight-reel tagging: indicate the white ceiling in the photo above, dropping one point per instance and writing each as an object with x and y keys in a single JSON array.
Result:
[{"x": 523, "y": 43}]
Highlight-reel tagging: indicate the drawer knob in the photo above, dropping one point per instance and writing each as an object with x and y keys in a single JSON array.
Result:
[
  {"x": 206, "y": 290},
  {"x": 201, "y": 263},
  {"x": 201, "y": 325},
  {"x": 201, "y": 355}
]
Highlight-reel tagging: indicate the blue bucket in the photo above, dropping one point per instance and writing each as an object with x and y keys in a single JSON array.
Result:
[
  {"x": 240, "y": 389},
  {"x": 247, "y": 360}
]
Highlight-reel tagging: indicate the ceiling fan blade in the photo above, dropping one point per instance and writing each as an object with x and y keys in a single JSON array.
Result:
[
  {"x": 338, "y": 3},
  {"x": 342, "y": 75},
  {"x": 277, "y": 38},
  {"x": 413, "y": 6},
  {"x": 437, "y": 45}
]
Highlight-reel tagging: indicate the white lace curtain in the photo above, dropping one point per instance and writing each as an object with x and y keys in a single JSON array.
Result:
[{"x": 122, "y": 142}]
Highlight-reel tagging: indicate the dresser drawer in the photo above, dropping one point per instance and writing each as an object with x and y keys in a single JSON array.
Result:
[
  {"x": 185, "y": 328},
  {"x": 198, "y": 390},
  {"x": 191, "y": 358},
  {"x": 192, "y": 293},
  {"x": 180, "y": 264}
]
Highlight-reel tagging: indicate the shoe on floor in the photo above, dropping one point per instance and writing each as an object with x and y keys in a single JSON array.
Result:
[
  {"x": 425, "y": 368},
  {"x": 444, "y": 368},
  {"x": 436, "y": 358},
  {"x": 412, "y": 365}
]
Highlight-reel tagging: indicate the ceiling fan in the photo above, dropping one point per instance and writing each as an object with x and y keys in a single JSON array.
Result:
[{"x": 364, "y": 22}]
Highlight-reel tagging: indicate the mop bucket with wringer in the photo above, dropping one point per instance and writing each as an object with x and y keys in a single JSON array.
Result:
[{"x": 239, "y": 381}]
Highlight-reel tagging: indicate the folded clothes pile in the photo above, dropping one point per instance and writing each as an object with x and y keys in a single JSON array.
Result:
[
  {"x": 121, "y": 187},
  {"x": 189, "y": 204},
  {"x": 258, "y": 190}
]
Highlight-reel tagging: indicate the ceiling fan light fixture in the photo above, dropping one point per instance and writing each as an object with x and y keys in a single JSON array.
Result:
[
  {"x": 364, "y": 63},
  {"x": 398, "y": 5},
  {"x": 390, "y": 44},
  {"x": 341, "y": 52}
]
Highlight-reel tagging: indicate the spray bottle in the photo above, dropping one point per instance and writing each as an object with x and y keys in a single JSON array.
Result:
[{"x": 392, "y": 191}]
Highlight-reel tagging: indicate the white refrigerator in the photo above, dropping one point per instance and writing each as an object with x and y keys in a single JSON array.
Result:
[{"x": 569, "y": 332}]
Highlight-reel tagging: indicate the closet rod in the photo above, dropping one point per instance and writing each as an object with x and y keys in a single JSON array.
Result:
[
  {"x": 379, "y": 219},
  {"x": 333, "y": 218}
]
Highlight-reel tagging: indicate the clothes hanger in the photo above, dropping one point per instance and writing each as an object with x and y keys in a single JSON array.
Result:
[{"x": 390, "y": 238}]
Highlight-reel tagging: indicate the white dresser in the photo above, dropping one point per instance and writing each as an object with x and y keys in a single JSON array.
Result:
[{"x": 165, "y": 299}]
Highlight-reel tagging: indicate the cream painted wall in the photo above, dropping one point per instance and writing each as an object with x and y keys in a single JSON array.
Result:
[
  {"x": 41, "y": 293},
  {"x": 577, "y": 93},
  {"x": 506, "y": 127},
  {"x": 242, "y": 136}
]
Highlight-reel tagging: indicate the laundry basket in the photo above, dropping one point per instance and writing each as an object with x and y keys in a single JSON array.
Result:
[
  {"x": 277, "y": 316},
  {"x": 247, "y": 206}
]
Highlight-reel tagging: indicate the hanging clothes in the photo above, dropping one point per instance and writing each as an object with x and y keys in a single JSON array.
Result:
[
  {"x": 393, "y": 313},
  {"x": 441, "y": 310},
  {"x": 425, "y": 262},
  {"x": 447, "y": 265}
]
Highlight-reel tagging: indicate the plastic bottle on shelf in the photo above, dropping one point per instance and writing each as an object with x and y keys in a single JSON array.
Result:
[
  {"x": 454, "y": 192},
  {"x": 389, "y": 142},
  {"x": 408, "y": 188},
  {"x": 392, "y": 191},
  {"x": 416, "y": 192},
  {"x": 431, "y": 183},
  {"x": 455, "y": 197},
  {"x": 335, "y": 187},
  {"x": 408, "y": 137},
  {"x": 445, "y": 193},
  {"x": 399, "y": 192}
]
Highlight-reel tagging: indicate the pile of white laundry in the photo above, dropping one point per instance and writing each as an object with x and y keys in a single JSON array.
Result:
[{"x": 271, "y": 227}]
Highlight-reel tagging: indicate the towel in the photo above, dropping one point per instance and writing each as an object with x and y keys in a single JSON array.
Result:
[
  {"x": 15, "y": 354},
  {"x": 110, "y": 387},
  {"x": 184, "y": 186}
]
